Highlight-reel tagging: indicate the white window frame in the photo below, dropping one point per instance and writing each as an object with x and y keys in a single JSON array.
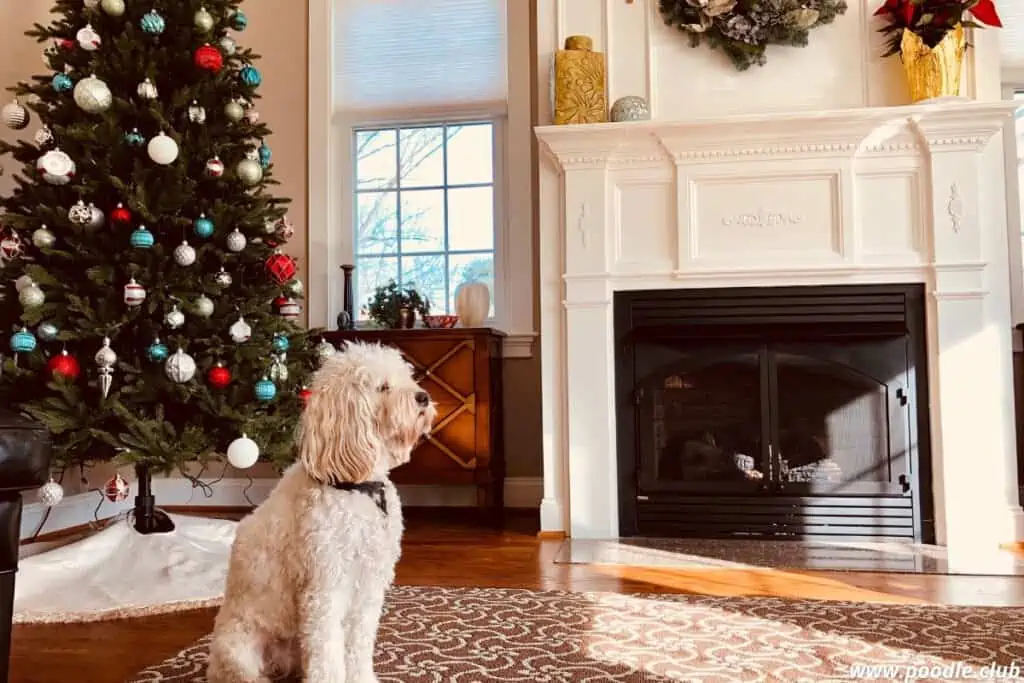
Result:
[{"x": 331, "y": 240}]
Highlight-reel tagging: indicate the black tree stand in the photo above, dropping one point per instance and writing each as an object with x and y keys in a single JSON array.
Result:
[{"x": 148, "y": 520}]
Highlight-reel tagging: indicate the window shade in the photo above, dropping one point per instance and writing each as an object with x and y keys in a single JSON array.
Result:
[
  {"x": 420, "y": 54},
  {"x": 1012, "y": 34}
]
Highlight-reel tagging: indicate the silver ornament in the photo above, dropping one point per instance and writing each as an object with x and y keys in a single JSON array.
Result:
[
  {"x": 79, "y": 214},
  {"x": 223, "y": 278},
  {"x": 147, "y": 90},
  {"x": 325, "y": 349},
  {"x": 278, "y": 370},
  {"x": 43, "y": 237},
  {"x": 162, "y": 149},
  {"x": 43, "y": 137},
  {"x": 203, "y": 20},
  {"x": 234, "y": 111},
  {"x": 92, "y": 95},
  {"x": 228, "y": 45},
  {"x": 31, "y": 297},
  {"x": 96, "y": 218},
  {"x": 196, "y": 114},
  {"x": 105, "y": 359},
  {"x": 184, "y": 255},
  {"x": 203, "y": 306},
  {"x": 249, "y": 172},
  {"x": 23, "y": 282},
  {"x": 56, "y": 167},
  {"x": 236, "y": 241},
  {"x": 47, "y": 331},
  {"x": 114, "y": 8},
  {"x": 88, "y": 39},
  {"x": 294, "y": 287},
  {"x": 269, "y": 227},
  {"x": 15, "y": 115},
  {"x": 51, "y": 493},
  {"x": 240, "y": 332},
  {"x": 180, "y": 367},
  {"x": 174, "y": 318}
]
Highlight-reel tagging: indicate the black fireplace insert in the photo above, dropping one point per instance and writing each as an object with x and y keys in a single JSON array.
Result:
[{"x": 787, "y": 412}]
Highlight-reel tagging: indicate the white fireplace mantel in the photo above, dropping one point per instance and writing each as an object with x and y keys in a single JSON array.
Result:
[{"x": 873, "y": 195}]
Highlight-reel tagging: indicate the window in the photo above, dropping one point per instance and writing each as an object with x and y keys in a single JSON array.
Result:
[{"x": 425, "y": 209}]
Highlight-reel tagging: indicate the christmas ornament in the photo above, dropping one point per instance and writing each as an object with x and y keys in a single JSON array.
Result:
[
  {"x": 15, "y": 115},
  {"x": 284, "y": 229},
  {"x": 134, "y": 138},
  {"x": 51, "y": 493},
  {"x": 105, "y": 359},
  {"x": 121, "y": 215},
  {"x": 92, "y": 95},
  {"x": 31, "y": 297},
  {"x": 208, "y": 58},
  {"x": 249, "y": 172},
  {"x": 196, "y": 114},
  {"x": 96, "y": 218},
  {"x": 269, "y": 226},
  {"x": 62, "y": 83},
  {"x": 157, "y": 351},
  {"x": 236, "y": 241},
  {"x": 43, "y": 237},
  {"x": 238, "y": 20},
  {"x": 56, "y": 167},
  {"x": 250, "y": 76},
  {"x": 88, "y": 39},
  {"x": 23, "y": 282},
  {"x": 47, "y": 331},
  {"x": 222, "y": 278},
  {"x": 203, "y": 306},
  {"x": 228, "y": 45},
  {"x": 265, "y": 155},
  {"x": 79, "y": 214},
  {"x": 23, "y": 341},
  {"x": 163, "y": 149},
  {"x": 203, "y": 21},
  {"x": 243, "y": 452},
  {"x": 203, "y": 227},
  {"x": 184, "y": 255},
  {"x": 43, "y": 137},
  {"x": 265, "y": 390},
  {"x": 174, "y": 318},
  {"x": 324, "y": 350},
  {"x": 278, "y": 369},
  {"x": 287, "y": 308},
  {"x": 180, "y": 367},
  {"x": 11, "y": 247},
  {"x": 116, "y": 489},
  {"x": 234, "y": 111},
  {"x": 294, "y": 288},
  {"x": 114, "y": 8},
  {"x": 64, "y": 366},
  {"x": 134, "y": 293},
  {"x": 147, "y": 90},
  {"x": 305, "y": 394},
  {"x": 152, "y": 23},
  {"x": 281, "y": 267},
  {"x": 219, "y": 376},
  {"x": 215, "y": 167},
  {"x": 280, "y": 343},
  {"x": 240, "y": 332},
  {"x": 91, "y": 4}
]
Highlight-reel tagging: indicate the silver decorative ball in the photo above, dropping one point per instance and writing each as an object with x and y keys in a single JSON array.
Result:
[
  {"x": 114, "y": 8},
  {"x": 96, "y": 218},
  {"x": 80, "y": 214},
  {"x": 51, "y": 493},
  {"x": 223, "y": 278},
  {"x": 228, "y": 45},
  {"x": 105, "y": 357},
  {"x": 43, "y": 237},
  {"x": 203, "y": 20},
  {"x": 325, "y": 349},
  {"x": 249, "y": 172},
  {"x": 234, "y": 111},
  {"x": 203, "y": 306},
  {"x": 236, "y": 241},
  {"x": 93, "y": 96},
  {"x": 184, "y": 255},
  {"x": 47, "y": 331},
  {"x": 174, "y": 318},
  {"x": 196, "y": 113},
  {"x": 15, "y": 115},
  {"x": 294, "y": 287},
  {"x": 180, "y": 367},
  {"x": 630, "y": 108},
  {"x": 43, "y": 136},
  {"x": 31, "y": 297}
]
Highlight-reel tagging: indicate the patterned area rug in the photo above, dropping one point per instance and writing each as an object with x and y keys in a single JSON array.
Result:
[{"x": 481, "y": 635}]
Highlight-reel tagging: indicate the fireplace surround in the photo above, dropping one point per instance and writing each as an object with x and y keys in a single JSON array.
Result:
[{"x": 891, "y": 195}]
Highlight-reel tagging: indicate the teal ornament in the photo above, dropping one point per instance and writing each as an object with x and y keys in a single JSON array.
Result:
[
  {"x": 280, "y": 343},
  {"x": 47, "y": 331},
  {"x": 239, "y": 21},
  {"x": 250, "y": 76},
  {"x": 152, "y": 23},
  {"x": 265, "y": 155},
  {"x": 24, "y": 341},
  {"x": 134, "y": 138},
  {"x": 142, "y": 238},
  {"x": 203, "y": 227},
  {"x": 265, "y": 390},
  {"x": 157, "y": 352},
  {"x": 62, "y": 83}
]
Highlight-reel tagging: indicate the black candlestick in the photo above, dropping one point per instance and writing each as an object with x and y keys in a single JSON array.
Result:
[
  {"x": 347, "y": 317},
  {"x": 149, "y": 520}
]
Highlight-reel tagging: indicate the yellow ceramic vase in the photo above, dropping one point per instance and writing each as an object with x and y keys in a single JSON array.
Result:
[
  {"x": 933, "y": 71},
  {"x": 579, "y": 80}
]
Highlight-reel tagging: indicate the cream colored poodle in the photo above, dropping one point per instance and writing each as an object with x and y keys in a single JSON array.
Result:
[{"x": 309, "y": 568}]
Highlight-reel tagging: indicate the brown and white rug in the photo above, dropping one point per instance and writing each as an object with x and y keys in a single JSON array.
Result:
[{"x": 480, "y": 635}]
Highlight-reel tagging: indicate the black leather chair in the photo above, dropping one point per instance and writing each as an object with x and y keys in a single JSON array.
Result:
[{"x": 24, "y": 465}]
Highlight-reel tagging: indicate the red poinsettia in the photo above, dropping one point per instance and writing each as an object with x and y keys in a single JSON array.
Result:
[{"x": 933, "y": 19}]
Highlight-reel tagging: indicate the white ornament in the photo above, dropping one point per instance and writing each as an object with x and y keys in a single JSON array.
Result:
[
  {"x": 92, "y": 95},
  {"x": 43, "y": 237},
  {"x": 249, "y": 172},
  {"x": 472, "y": 303},
  {"x": 88, "y": 39},
  {"x": 184, "y": 255},
  {"x": 43, "y": 136},
  {"x": 114, "y": 8},
  {"x": 203, "y": 20},
  {"x": 215, "y": 167},
  {"x": 51, "y": 493},
  {"x": 236, "y": 241},
  {"x": 240, "y": 332},
  {"x": 96, "y": 218},
  {"x": 163, "y": 149},
  {"x": 203, "y": 306},
  {"x": 295, "y": 287},
  {"x": 56, "y": 167},
  {"x": 180, "y": 367},
  {"x": 147, "y": 90},
  {"x": 290, "y": 309},
  {"x": 234, "y": 111},
  {"x": 31, "y": 297},
  {"x": 325, "y": 349},
  {"x": 134, "y": 293},
  {"x": 105, "y": 359},
  {"x": 269, "y": 227},
  {"x": 222, "y": 278},
  {"x": 79, "y": 214},
  {"x": 228, "y": 45},
  {"x": 15, "y": 115},
  {"x": 243, "y": 452},
  {"x": 23, "y": 282},
  {"x": 175, "y": 318},
  {"x": 196, "y": 113}
]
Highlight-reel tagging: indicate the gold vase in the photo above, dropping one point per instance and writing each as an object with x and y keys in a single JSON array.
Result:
[
  {"x": 933, "y": 71},
  {"x": 580, "y": 83}
]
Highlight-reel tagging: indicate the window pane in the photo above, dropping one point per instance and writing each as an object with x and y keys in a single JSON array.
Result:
[
  {"x": 426, "y": 274},
  {"x": 422, "y": 220},
  {"x": 421, "y": 153},
  {"x": 377, "y": 223},
  {"x": 470, "y": 154},
  {"x": 371, "y": 273},
  {"x": 471, "y": 219},
  {"x": 471, "y": 268},
  {"x": 376, "y": 159}
]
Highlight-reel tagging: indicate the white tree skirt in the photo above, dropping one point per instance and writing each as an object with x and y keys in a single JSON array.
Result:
[{"x": 119, "y": 572}]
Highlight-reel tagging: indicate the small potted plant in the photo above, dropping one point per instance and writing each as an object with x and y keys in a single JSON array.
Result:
[{"x": 396, "y": 308}]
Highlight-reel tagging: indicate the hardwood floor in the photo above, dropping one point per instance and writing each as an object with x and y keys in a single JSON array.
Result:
[{"x": 442, "y": 550}]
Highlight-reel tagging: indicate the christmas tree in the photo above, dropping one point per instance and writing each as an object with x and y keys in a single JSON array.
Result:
[{"x": 150, "y": 307}]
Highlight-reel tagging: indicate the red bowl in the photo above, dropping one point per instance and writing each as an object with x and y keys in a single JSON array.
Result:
[{"x": 440, "y": 322}]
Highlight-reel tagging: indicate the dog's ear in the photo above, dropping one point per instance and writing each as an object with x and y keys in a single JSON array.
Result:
[{"x": 338, "y": 436}]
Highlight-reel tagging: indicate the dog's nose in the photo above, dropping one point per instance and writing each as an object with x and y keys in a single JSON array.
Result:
[{"x": 423, "y": 398}]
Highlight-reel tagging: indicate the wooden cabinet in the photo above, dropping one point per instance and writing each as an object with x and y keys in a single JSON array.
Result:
[{"x": 461, "y": 370}]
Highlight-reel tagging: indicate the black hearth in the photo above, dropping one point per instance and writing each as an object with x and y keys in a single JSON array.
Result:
[{"x": 773, "y": 412}]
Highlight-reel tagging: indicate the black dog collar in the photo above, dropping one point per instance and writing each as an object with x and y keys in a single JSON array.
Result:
[{"x": 374, "y": 489}]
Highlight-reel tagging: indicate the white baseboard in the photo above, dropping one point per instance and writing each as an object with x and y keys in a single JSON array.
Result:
[{"x": 520, "y": 492}]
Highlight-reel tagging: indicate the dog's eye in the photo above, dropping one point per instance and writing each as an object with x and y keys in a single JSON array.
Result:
[{"x": 384, "y": 387}]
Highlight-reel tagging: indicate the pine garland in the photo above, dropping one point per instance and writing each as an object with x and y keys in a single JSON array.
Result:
[{"x": 743, "y": 29}]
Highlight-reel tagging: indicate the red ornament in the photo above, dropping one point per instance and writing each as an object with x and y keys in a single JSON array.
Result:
[
  {"x": 116, "y": 489},
  {"x": 66, "y": 44},
  {"x": 287, "y": 308},
  {"x": 64, "y": 366},
  {"x": 219, "y": 376},
  {"x": 121, "y": 215},
  {"x": 281, "y": 267},
  {"x": 304, "y": 394},
  {"x": 209, "y": 58}
]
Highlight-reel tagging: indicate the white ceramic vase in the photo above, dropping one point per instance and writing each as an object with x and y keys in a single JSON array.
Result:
[{"x": 472, "y": 303}]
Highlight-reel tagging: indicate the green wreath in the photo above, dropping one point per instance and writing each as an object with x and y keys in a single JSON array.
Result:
[{"x": 744, "y": 29}]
